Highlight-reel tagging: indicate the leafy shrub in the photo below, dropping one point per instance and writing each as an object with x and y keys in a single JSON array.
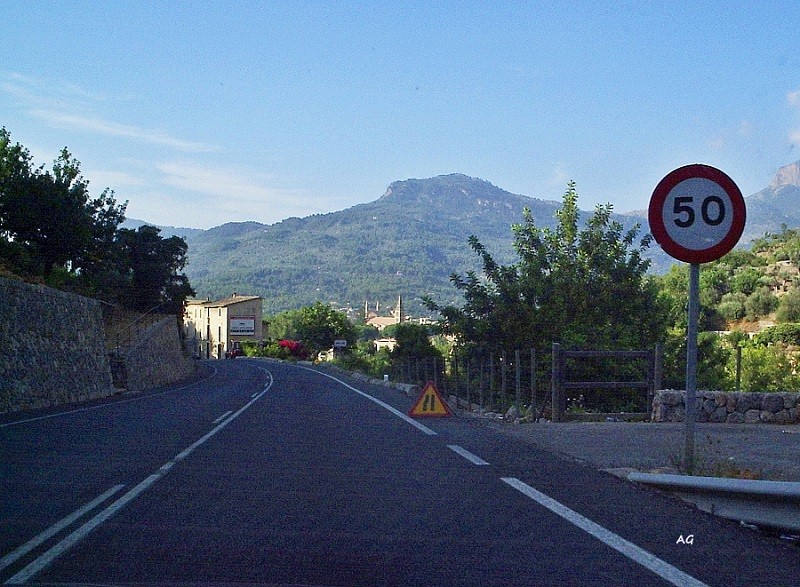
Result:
[
  {"x": 789, "y": 307},
  {"x": 269, "y": 349},
  {"x": 732, "y": 306},
  {"x": 787, "y": 334},
  {"x": 768, "y": 369},
  {"x": 760, "y": 303},
  {"x": 369, "y": 363}
]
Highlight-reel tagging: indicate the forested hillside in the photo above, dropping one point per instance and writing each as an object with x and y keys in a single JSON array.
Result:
[
  {"x": 408, "y": 242},
  {"x": 749, "y": 299}
]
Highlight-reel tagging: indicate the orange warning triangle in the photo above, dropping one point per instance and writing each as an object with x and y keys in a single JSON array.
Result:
[{"x": 430, "y": 403}]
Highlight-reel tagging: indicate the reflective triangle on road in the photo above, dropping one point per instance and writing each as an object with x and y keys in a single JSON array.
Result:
[{"x": 430, "y": 403}]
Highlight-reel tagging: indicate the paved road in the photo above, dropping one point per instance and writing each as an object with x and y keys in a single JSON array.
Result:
[{"x": 270, "y": 473}]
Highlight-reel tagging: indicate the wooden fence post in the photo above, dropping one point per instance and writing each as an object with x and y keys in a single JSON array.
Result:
[
  {"x": 518, "y": 382},
  {"x": 533, "y": 385},
  {"x": 555, "y": 386},
  {"x": 503, "y": 374}
]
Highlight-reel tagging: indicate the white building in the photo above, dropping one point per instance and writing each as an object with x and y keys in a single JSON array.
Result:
[{"x": 215, "y": 328}]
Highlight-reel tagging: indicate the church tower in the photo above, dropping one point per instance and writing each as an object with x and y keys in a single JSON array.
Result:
[{"x": 398, "y": 310}]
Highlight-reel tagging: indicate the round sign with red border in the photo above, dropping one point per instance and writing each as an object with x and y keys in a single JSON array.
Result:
[{"x": 697, "y": 213}]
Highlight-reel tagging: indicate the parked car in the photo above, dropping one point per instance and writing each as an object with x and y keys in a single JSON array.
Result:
[{"x": 233, "y": 353}]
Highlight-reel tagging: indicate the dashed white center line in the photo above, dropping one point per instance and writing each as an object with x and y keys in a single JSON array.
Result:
[
  {"x": 223, "y": 416},
  {"x": 474, "y": 459}
]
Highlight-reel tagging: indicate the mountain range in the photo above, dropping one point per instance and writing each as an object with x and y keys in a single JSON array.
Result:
[{"x": 407, "y": 242}]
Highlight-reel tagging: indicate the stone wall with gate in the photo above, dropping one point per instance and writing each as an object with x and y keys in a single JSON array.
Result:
[
  {"x": 52, "y": 347},
  {"x": 54, "y": 350}
]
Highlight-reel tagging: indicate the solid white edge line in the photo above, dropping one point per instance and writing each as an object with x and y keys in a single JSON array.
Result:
[
  {"x": 635, "y": 553},
  {"x": 384, "y": 405},
  {"x": 111, "y": 403},
  {"x": 45, "y": 559},
  {"x": 222, "y": 417},
  {"x": 18, "y": 553},
  {"x": 474, "y": 459}
]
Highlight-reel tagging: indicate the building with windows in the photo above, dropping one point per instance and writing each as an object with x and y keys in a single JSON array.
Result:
[{"x": 213, "y": 329}]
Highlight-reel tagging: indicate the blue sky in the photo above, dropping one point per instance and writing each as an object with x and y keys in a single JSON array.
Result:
[{"x": 200, "y": 113}]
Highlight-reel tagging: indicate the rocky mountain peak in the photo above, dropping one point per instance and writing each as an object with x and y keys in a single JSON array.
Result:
[{"x": 786, "y": 176}]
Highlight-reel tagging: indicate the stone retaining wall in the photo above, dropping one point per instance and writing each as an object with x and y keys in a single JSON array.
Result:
[
  {"x": 158, "y": 358},
  {"x": 732, "y": 407},
  {"x": 51, "y": 348}
]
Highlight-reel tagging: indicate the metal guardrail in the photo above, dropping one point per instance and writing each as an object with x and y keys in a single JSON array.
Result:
[{"x": 772, "y": 504}]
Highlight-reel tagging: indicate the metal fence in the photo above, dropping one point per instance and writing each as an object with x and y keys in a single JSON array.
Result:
[
  {"x": 541, "y": 383},
  {"x": 489, "y": 380}
]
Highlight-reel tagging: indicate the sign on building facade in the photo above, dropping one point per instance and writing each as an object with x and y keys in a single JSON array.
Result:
[{"x": 242, "y": 326}]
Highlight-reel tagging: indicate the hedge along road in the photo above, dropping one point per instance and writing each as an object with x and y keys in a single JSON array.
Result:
[{"x": 274, "y": 473}]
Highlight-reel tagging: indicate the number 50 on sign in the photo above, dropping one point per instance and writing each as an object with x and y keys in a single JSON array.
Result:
[{"x": 697, "y": 214}]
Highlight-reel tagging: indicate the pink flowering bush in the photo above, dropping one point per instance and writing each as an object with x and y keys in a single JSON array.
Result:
[{"x": 294, "y": 348}]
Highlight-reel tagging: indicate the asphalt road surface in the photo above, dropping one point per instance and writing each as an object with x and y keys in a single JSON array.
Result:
[{"x": 275, "y": 474}]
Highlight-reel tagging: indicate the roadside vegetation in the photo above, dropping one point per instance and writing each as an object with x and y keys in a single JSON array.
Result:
[
  {"x": 584, "y": 283},
  {"x": 583, "y": 287},
  {"x": 589, "y": 288}
]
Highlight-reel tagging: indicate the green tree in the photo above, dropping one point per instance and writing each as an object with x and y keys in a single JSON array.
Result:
[
  {"x": 318, "y": 326},
  {"x": 580, "y": 287},
  {"x": 413, "y": 341},
  {"x": 673, "y": 288},
  {"x": 768, "y": 368},
  {"x": 46, "y": 214},
  {"x": 732, "y": 306},
  {"x": 48, "y": 219},
  {"x": 712, "y": 358},
  {"x": 151, "y": 265},
  {"x": 366, "y": 333},
  {"x": 789, "y": 306},
  {"x": 746, "y": 280},
  {"x": 284, "y": 325},
  {"x": 760, "y": 303}
]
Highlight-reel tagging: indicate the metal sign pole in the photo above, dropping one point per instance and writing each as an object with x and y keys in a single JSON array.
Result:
[
  {"x": 691, "y": 363},
  {"x": 697, "y": 214}
]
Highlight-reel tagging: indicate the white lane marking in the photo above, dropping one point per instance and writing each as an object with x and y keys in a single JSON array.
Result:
[
  {"x": 384, "y": 405},
  {"x": 56, "y": 528},
  {"x": 254, "y": 395},
  {"x": 633, "y": 552},
  {"x": 111, "y": 403},
  {"x": 222, "y": 417},
  {"x": 46, "y": 558},
  {"x": 474, "y": 459},
  {"x": 65, "y": 544}
]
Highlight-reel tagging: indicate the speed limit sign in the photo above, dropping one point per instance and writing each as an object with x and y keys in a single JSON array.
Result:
[{"x": 697, "y": 214}]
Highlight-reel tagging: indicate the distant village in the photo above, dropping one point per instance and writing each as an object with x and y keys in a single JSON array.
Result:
[{"x": 217, "y": 328}]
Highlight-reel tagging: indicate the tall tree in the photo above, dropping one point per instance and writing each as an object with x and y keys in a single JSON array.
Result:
[
  {"x": 413, "y": 341},
  {"x": 580, "y": 287},
  {"x": 152, "y": 265},
  {"x": 318, "y": 326},
  {"x": 47, "y": 218}
]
